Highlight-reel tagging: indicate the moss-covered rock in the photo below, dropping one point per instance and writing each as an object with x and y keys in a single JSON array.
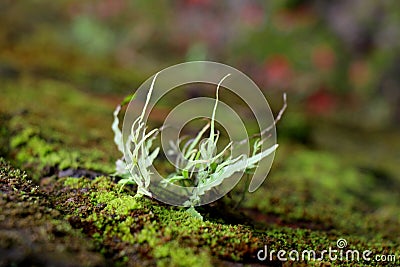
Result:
[
  {"x": 311, "y": 199},
  {"x": 318, "y": 190},
  {"x": 45, "y": 136},
  {"x": 32, "y": 232}
]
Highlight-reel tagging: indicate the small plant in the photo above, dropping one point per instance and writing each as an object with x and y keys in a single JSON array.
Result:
[
  {"x": 198, "y": 163},
  {"x": 203, "y": 166},
  {"x": 138, "y": 146}
]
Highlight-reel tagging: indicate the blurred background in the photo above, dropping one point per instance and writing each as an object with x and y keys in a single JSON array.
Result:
[
  {"x": 329, "y": 56},
  {"x": 338, "y": 61}
]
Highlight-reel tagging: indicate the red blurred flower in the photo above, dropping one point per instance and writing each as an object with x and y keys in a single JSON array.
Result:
[
  {"x": 278, "y": 71},
  {"x": 321, "y": 102}
]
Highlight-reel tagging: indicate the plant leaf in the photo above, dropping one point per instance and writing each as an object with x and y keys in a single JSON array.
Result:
[{"x": 194, "y": 213}]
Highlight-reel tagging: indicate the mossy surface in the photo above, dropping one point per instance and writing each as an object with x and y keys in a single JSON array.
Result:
[
  {"x": 320, "y": 191},
  {"x": 34, "y": 233},
  {"x": 48, "y": 137},
  {"x": 311, "y": 199}
]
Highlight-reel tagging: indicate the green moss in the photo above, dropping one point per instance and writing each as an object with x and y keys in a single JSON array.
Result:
[
  {"x": 310, "y": 199},
  {"x": 7, "y": 171},
  {"x": 169, "y": 235},
  {"x": 123, "y": 205},
  {"x": 168, "y": 251},
  {"x": 318, "y": 190},
  {"x": 23, "y": 137},
  {"x": 149, "y": 234},
  {"x": 75, "y": 182},
  {"x": 30, "y": 225},
  {"x": 119, "y": 205},
  {"x": 42, "y": 154},
  {"x": 139, "y": 220},
  {"x": 124, "y": 230},
  {"x": 104, "y": 183},
  {"x": 172, "y": 254},
  {"x": 103, "y": 197},
  {"x": 48, "y": 137},
  {"x": 35, "y": 153}
]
